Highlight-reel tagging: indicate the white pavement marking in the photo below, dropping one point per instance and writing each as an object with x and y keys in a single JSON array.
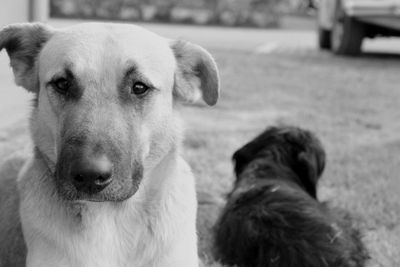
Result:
[{"x": 275, "y": 48}]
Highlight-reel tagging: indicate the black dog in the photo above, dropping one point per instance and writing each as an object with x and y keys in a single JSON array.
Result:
[{"x": 273, "y": 217}]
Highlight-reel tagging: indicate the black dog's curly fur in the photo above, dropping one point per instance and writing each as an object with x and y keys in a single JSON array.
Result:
[{"x": 273, "y": 217}]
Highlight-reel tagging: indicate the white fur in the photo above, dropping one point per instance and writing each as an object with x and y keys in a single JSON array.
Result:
[{"x": 153, "y": 228}]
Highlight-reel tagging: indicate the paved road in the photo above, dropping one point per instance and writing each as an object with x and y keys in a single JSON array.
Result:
[{"x": 14, "y": 102}]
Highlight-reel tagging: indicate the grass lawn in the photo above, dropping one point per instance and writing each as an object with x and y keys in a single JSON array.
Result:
[{"x": 353, "y": 106}]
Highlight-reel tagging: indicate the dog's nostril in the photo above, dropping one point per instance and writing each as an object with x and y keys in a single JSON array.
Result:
[
  {"x": 100, "y": 180},
  {"x": 79, "y": 178},
  {"x": 103, "y": 179}
]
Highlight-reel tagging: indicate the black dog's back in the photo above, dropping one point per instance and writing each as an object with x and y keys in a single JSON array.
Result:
[
  {"x": 277, "y": 226},
  {"x": 272, "y": 217}
]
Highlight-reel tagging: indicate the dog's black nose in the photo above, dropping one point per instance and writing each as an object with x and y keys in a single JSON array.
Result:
[{"x": 91, "y": 175}]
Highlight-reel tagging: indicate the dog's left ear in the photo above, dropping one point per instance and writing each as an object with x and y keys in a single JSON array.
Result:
[
  {"x": 23, "y": 43},
  {"x": 241, "y": 158},
  {"x": 196, "y": 74},
  {"x": 310, "y": 168}
]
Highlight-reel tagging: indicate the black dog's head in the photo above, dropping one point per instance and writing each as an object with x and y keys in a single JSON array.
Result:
[{"x": 291, "y": 147}]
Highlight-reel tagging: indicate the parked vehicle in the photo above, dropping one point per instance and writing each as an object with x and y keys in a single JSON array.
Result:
[{"x": 343, "y": 24}]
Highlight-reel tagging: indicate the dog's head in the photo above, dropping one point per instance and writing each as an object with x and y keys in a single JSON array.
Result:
[
  {"x": 297, "y": 149},
  {"x": 104, "y": 100}
]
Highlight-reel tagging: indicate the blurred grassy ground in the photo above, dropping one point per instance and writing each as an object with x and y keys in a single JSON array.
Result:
[{"x": 352, "y": 104}]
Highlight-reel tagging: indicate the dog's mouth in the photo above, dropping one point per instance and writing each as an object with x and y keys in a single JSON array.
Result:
[{"x": 103, "y": 196}]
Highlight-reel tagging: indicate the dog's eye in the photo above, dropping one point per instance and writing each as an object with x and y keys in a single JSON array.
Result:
[
  {"x": 139, "y": 88},
  {"x": 62, "y": 85}
]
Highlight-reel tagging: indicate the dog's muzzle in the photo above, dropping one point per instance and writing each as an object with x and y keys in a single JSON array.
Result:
[
  {"x": 96, "y": 171},
  {"x": 91, "y": 175}
]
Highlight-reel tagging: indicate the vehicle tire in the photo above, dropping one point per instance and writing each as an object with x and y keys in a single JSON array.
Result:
[
  {"x": 347, "y": 35},
  {"x": 324, "y": 39}
]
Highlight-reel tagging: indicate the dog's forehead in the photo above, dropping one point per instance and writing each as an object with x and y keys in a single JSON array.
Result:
[{"x": 90, "y": 47}]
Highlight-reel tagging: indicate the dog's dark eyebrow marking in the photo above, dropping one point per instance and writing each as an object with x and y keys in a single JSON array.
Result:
[
  {"x": 131, "y": 70},
  {"x": 68, "y": 73},
  {"x": 64, "y": 73}
]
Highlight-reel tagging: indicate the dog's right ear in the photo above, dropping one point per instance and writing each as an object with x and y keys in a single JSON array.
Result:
[{"x": 23, "y": 43}]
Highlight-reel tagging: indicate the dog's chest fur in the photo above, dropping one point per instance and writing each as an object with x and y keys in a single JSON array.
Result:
[
  {"x": 108, "y": 239},
  {"x": 154, "y": 228}
]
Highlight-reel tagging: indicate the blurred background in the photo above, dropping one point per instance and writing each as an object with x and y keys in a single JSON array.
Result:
[{"x": 331, "y": 66}]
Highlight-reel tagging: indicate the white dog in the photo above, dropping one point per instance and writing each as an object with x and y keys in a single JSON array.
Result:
[{"x": 106, "y": 185}]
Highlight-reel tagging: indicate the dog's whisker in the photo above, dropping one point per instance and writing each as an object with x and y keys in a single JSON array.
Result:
[
  {"x": 273, "y": 260},
  {"x": 324, "y": 261},
  {"x": 274, "y": 189},
  {"x": 336, "y": 236}
]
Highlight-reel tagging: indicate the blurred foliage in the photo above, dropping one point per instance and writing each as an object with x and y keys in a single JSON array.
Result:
[{"x": 256, "y": 13}]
